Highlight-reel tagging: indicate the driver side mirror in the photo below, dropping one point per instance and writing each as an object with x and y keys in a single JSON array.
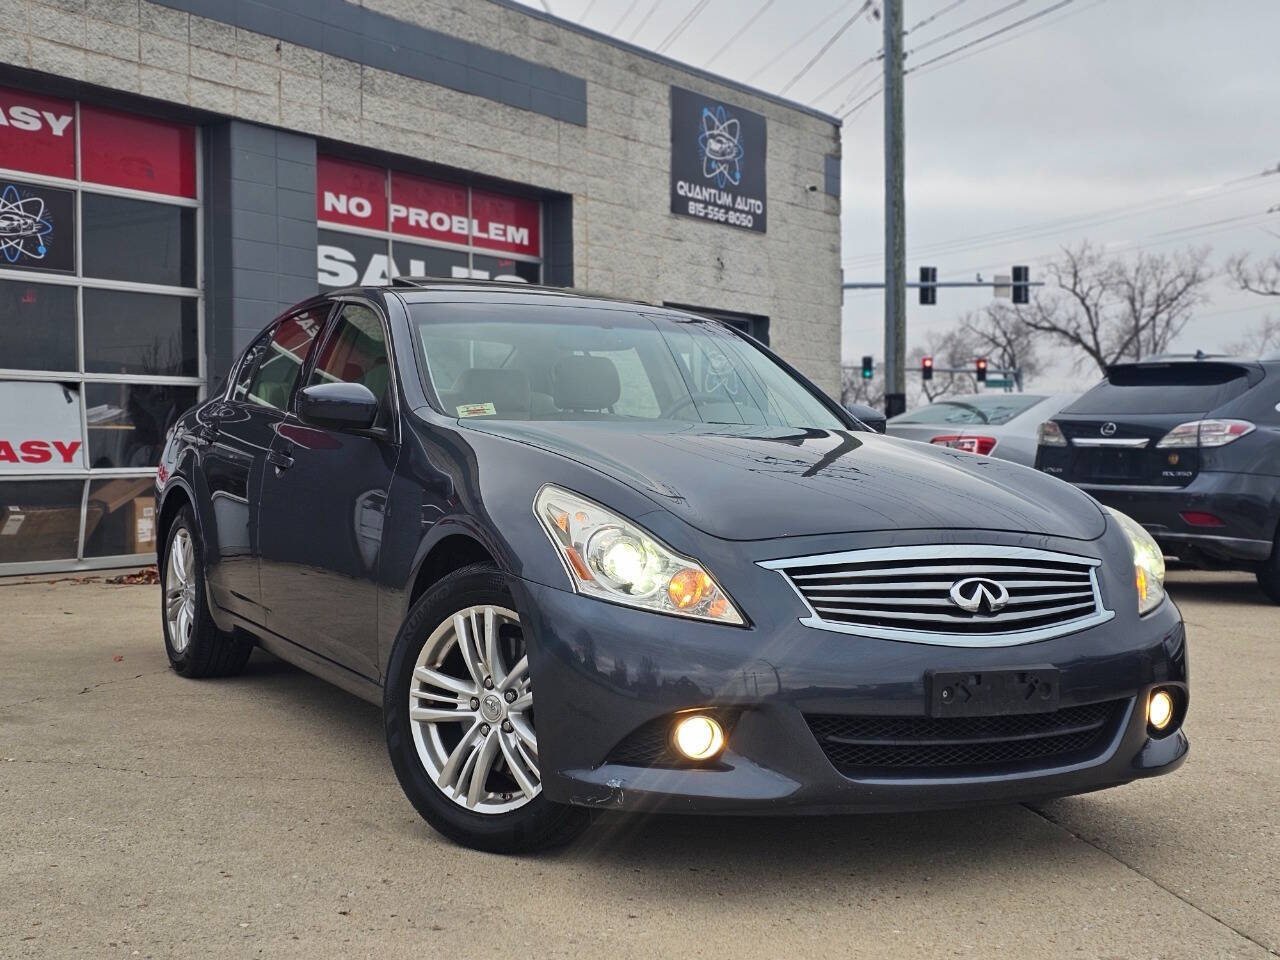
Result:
[
  {"x": 870, "y": 416},
  {"x": 340, "y": 406}
]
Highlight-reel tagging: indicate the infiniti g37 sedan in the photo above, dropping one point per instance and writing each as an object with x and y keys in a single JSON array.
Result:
[{"x": 591, "y": 555}]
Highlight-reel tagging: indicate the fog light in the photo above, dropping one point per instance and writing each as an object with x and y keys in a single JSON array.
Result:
[
  {"x": 1160, "y": 709},
  {"x": 699, "y": 737}
]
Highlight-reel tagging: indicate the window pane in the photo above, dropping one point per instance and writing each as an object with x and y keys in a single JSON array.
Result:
[
  {"x": 39, "y": 520},
  {"x": 140, "y": 333},
  {"x": 138, "y": 240},
  {"x": 348, "y": 260},
  {"x": 356, "y": 352},
  {"x": 416, "y": 260},
  {"x": 37, "y": 326},
  {"x": 120, "y": 517},
  {"x": 244, "y": 373},
  {"x": 277, "y": 373},
  {"x": 504, "y": 268},
  {"x": 37, "y": 227},
  {"x": 40, "y": 427},
  {"x": 127, "y": 421}
]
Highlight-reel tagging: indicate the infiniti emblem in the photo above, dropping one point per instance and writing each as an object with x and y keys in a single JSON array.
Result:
[
  {"x": 1108, "y": 429},
  {"x": 979, "y": 595}
]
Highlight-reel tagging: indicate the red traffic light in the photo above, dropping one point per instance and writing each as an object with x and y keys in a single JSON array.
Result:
[
  {"x": 926, "y": 368},
  {"x": 981, "y": 368}
]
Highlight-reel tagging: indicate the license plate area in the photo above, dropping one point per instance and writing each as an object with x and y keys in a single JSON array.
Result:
[{"x": 992, "y": 693}]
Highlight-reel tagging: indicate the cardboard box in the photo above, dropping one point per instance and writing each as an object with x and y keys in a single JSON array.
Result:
[
  {"x": 38, "y": 533},
  {"x": 140, "y": 525}
]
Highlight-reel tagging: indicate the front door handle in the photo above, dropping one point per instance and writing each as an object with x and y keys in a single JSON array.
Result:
[{"x": 281, "y": 461}]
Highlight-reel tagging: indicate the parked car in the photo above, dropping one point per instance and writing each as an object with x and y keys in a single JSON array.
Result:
[
  {"x": 598, "y": 555},
  {"x": 1190, "y": 448},
  {"x": 992, "y": 424}
]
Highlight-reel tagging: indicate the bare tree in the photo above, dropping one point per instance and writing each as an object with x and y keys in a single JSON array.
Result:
[
  {"x": 854, "y": 388},
  {"x": 1000, "y": 334},
  {"x": 950, "y": 349},
  {"x": 1262, "y": 338},
  {"x": 1112, "y": 309},
  {"x": 1262, "y": 278}
]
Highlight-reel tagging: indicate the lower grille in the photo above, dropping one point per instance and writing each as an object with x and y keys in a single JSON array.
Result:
[{"x": 860, "y": 745}]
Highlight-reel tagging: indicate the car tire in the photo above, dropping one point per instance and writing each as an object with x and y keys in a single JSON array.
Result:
[
  {"x": 436, "y": 758},
  {"x": 193, "y": 642},
  {"x": 1268, "y": 574}
]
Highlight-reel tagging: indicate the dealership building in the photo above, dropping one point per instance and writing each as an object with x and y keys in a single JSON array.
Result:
[{"x": 174, "y": 174}]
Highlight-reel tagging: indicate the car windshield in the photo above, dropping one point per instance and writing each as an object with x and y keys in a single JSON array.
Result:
[
  {"x": 992, "y": 410},
  {"x": 559, "y": 362}
]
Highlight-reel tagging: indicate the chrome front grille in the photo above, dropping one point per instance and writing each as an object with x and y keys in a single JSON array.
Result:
[{"x": 975, "y": 595}]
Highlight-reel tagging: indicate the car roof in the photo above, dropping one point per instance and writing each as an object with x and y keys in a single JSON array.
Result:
[{"x": 441, "y": 290}]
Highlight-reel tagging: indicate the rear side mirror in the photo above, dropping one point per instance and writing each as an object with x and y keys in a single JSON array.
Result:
[
  {"x": 340, "y": 406},
  {"x": 870, "y": 416}
]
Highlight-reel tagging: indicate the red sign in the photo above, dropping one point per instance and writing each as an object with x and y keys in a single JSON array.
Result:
[
  {"x": 138, "y": 153},
  {"x": 428, "y": 209},
  {"x": 37, "y": 134},
  {"x": 351, "y": 193},
  {"x": 512, "y": 224}
]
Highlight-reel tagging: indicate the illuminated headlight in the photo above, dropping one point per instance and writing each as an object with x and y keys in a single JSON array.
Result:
[
  {"x": 611, "y": 558},
  {"x": 1148, "y": 562}
]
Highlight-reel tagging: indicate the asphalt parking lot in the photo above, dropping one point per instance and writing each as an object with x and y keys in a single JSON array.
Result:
[{"x": 146, "y": 815}]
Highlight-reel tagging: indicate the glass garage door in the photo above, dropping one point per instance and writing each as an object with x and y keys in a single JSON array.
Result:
[{"x": 101, "y": 325}]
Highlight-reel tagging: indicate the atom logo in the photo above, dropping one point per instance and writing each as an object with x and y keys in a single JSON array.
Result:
[
  {"x": 721, "y": 144},
  {"x": 23, "y": 226}
]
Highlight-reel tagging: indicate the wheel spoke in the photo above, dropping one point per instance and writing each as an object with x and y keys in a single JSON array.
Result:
[
  {"x": 522, "y": 729},
  {"x": 481, "y": 768},
  {"x": 443, "y": 681},
  {"x": 179, "y": 562},
  {"x": 516, "y": 764},
  {"x": 492, "y": 659},
  {"x": 522, "y": 702},
  {"x": 188, "y": 559},
  {"x": 465, "y": 750},
  {"x": 173, "y": 601},
  {"x": 466, "y": 644},
  {"x": 184, "y": 623},
  {"x": 439, "y": 715},
  {"x": 516, "y": 676}
]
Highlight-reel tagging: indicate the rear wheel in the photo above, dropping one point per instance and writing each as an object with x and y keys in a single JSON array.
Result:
[
  {"x": 1269, "y": 574},
  {"x": 195, "y": 645},
  {"x": 459, "y": 717}
]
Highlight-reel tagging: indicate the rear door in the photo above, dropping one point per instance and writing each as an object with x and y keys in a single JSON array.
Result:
[
  {"x": 236, "y": 436},
  {"x": 1113, "y": 431},
  {"x": 324, "y": 503}
]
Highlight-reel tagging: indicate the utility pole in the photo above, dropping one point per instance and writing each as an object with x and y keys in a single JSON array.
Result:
[{"x": 895, "y": 221}]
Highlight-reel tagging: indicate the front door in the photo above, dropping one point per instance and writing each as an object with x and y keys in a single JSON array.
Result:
[
  {"x": 236, "y": 437},
  {"x": 323, "y": 505}
]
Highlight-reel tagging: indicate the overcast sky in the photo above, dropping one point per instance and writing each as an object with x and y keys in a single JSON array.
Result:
[{"x": 1101, "y": 104}]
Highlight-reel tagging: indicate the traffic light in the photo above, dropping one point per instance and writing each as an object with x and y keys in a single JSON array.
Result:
[
  {"x": 926, "y": 368},
  {"x": 928, "y": 290},
  {"x": 868, "y": 368},
  {"x": 1021, "y": 284},
  {"x": 980, "y": 369}
]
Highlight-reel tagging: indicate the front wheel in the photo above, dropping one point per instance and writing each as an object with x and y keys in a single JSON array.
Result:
[{"x": 459, "y": 717}]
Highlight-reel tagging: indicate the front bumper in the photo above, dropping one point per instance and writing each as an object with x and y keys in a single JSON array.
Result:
[
  {"x": 1246, "y": 503},
  {"x": 602, "y": 671}
]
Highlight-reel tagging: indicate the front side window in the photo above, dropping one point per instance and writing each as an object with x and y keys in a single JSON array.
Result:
[
  {"x": 277, "y": 371},
  {"x": 356, "y": 352},
  {"x": 522, "y": 362}
]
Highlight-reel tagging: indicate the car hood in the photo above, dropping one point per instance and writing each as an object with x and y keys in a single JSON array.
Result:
[{"x": 759, "y": 482}]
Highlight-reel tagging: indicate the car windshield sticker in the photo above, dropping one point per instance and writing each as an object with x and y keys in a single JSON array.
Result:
[{"x": 476, "y": 410}]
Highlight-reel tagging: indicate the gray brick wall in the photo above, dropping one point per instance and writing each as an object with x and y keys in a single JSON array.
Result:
[
  {"x": 616, "y": 168},
  {"x": 260, "y": 231}
]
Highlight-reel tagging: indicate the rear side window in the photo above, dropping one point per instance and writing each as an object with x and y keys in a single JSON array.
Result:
[
  {"x": 277, "y": 371},
  {"x": 1172, "y": 388},
  {"x": 990, "y": 409}
]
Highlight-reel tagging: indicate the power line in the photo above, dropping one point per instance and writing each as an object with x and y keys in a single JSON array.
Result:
[
  {"x": 625, "y": 13},
  {"x": 643, "y": 20},
  {"x": 797, "y": 42},
  {"x": 928, "y": 20},
  {"x": 582, "y": 18},
  {"x": 932, "y": 41},
  {"x": 682, "y": 26},
  {"x": 826, "y": 46},
  {"x": 849, "y": 76},
  {"x": 747, "y": 24}
]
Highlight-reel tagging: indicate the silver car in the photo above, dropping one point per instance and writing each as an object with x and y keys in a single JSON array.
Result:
[{"x": 992, "y": 424}]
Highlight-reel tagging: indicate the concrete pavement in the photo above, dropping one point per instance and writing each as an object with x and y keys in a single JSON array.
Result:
[{"x": 146, "y": 815}]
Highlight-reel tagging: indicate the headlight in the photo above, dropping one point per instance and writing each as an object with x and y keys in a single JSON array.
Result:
[
  {"x": 1148, "y": 562},
  {"x": 613, "y": 559}
]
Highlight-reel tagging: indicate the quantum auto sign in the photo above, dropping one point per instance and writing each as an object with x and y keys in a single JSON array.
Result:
[{"x": 717, "y": 161}]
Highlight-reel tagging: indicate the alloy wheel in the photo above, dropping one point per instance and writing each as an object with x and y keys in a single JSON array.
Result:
[
  {"x": 180, "y": 591},
  {"x": 471, "y": 711}
]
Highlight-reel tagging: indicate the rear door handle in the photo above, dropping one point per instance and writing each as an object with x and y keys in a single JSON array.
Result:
[{"x": 281, "y": 461}]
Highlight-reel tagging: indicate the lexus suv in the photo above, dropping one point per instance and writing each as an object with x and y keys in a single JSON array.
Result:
[
  {"x": 588, "y": 554},
  {"x": 1190, "y": 448}
]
